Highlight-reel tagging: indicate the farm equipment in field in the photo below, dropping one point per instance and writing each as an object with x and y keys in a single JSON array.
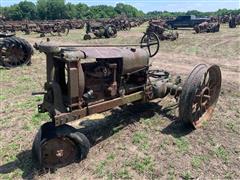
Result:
[
  {"x": 87, "y": 79},
  {"x": 14, "y": 51},
  {"x": 162, "y": 32},
  {"x": 54, "y": 29},
  {"x": 209, "y": 27},
  {"x": 232, "y": 22},
  {"x": 121, "y": 24},
  {"x": 100, "y": 30}
]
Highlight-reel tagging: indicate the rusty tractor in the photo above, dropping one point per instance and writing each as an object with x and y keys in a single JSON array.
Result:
[
  {"x": 14, "y": 51},
  {"x": 53, "y": 28},
  {"x": 121, "y": 24},
  {"x": 100, "y": 30},
  {"x": 209, "y": 27},
  {"x": 162, "y": 33},
  {"x": 87, "y": 79}
]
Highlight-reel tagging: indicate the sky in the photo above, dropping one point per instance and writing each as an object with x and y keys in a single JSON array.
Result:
[{"x": 158, "y": 5}]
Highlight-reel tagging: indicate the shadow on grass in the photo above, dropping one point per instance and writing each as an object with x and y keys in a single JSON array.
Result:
[
  {"x": 99, "y": 130},
  {"x": 23, "y": 162}
]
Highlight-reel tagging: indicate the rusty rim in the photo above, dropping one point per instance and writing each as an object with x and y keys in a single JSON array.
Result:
[
  {"x": 206, "y": 96},
  {"x": 58, "y": 152},
  {"x": 13, "y": 55}
]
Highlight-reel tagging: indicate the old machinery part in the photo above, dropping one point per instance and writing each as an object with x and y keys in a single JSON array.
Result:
[
  {"x": 100, "y": 30},
  {"x": 15, "y": 52},
  {"x": 59, "y": 146},
  {"x": 88, "y": 79},
  {"x": 162, "y": 32},
  {"x": 208, "y": 27},
  {"x": 87, "y": 37},
  {"x": 110, "y": 31},
  {"x": 59, "y": 30},
  {"x": 200, "y": 94}
]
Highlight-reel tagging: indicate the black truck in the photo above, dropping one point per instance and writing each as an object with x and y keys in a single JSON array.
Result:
[{"x": 185, "y": 21}]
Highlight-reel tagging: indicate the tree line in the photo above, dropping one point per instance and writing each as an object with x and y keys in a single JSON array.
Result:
[
  {"x": 58, "y": 9},
  {"x": 166, "y": 14}
]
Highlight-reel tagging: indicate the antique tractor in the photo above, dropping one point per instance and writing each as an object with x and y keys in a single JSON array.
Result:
[
  {"x": 162, "y": 32},
  {"x": 87, "y": 79},
  {"x": 208, "y": 27},
  {"x": 100, "y": 30},
  {"x": 54, "y": 28},
  {"x": 14, "y": 51}
]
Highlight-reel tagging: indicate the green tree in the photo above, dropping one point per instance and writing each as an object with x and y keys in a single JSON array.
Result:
[
  {"x": 13, "y": 13},
  {"x": 70, "y": 11},
  {"x": 128, "y": 10},
  {"x": 82, "y": 11},
  {"x": 194, "y": 12},
  {"x": 28, "y": 10},
  {"x": 51, "y": 9},
  {"x": 102, "y": 11},
  {"x": 55, "y": 9},
  {"x": 42, "y": 9}
]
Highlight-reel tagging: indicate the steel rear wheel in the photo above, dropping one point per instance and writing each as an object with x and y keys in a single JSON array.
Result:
[
  {"x": 15, "y": 52},
  {"x": 200, "y": 94}
]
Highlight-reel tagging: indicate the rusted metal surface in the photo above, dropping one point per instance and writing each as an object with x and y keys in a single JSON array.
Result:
[
  {"x": 85, "y": 80},
  {"x": 200, "y": 94},
  {"x": 14, "y": 51},
  {"x": 58, "y": 152},
  {"x": 161, "y": 31},
  {"x": 208, "y": 27},
  {"x": 100, "y": 30}
]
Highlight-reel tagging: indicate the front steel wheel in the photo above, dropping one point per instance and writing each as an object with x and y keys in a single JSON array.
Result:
[{"x": 200, "y": 94}]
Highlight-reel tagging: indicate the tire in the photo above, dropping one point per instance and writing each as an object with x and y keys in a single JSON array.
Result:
[
  {"x": 47, "y": 134},
  {"x": 110, "y": 31},
  {"x": 82, "y": 142},
  {"x": 21, "y": 46}
]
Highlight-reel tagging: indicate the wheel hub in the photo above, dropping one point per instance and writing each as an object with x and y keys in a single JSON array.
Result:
[
  {"x": 204, "y": 97},
  {"x": 58, "y": 151}
]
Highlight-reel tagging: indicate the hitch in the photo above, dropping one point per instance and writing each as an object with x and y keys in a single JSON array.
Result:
[{"x": 39, "y": 93}]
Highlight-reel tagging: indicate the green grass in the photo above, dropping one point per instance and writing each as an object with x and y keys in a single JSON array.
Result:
[
  {"x": 229, "y": 175},
  {"x": 165, "y": 142},
  {"x": 30, "y": 103},
  {"x": 171, "y": 173},
  {"x": 9, "y": 152},
  {"x": 38, "y": 118},
  {"x": 198, "y": 160},
  {"x": 187, "y": 176},
  {"x": 141, "y": 140},
  {"x": 232, "y": 126},
  {"x": 143, "y": 165},
  {"x": 222, "y": 153},
  {"x": 100, "y": 170},
  {"x": 2, "y": 97},
  {"x": 123, "y": 173},
  {"x": 182, "y": 144}
]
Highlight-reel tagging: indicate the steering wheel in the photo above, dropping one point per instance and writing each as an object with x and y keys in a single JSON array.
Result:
[{"x": 151, "y": 42}]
